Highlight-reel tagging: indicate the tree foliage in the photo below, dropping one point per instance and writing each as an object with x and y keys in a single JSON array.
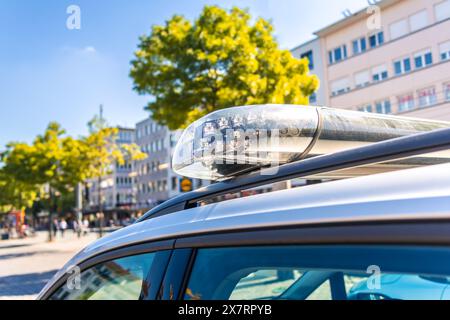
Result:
[
  {"x": 103, "y": 151},
  {"x": 58, "y": 161},
  {"x": 218, "y": 61},
  {"x": 15, "y": 194}
]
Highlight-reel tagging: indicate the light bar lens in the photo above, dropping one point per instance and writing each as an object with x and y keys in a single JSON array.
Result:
[
  {"x": 235, "y": 140},
  {"x": 232, "y": 141}
]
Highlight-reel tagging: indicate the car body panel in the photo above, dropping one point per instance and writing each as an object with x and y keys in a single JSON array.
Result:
[{"x": 414, "y": 194}]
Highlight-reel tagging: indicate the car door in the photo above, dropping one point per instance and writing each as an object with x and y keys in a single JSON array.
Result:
[{"x": 356, "y": 262}]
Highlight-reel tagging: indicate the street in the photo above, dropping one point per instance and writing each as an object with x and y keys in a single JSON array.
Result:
[{"x": 26, "y": 265}]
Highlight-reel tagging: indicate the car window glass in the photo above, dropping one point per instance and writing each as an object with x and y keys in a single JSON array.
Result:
[
  {"x": 120, "y": 279},
  {"x": 319, "y": 273},
  {"x": 264, "y": 284},
  {"x": 323, "y": 292}
]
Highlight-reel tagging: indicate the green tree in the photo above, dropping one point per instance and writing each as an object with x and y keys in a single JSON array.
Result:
[
  {"x": 54, "y": 159},
  {"x": 102, "y": 153},
  {"x": 220, "y": 60},
  {"x": 61, "y": 163},
  {"x": 15, "y": 195}
]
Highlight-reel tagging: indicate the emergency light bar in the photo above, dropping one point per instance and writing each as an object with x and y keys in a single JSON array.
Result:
[{"x": 236, "y": 140}]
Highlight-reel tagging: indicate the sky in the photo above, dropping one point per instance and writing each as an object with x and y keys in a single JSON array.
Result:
[{"x": 51, "y": 73}]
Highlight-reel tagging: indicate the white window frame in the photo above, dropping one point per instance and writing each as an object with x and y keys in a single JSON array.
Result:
[
  {"x": 444, "y": 51},
  {"x": 404, "y": 24},
  {"x": 366, "y": 108},
  {"x": 384, "y": 105},
  {"x": 402, "y": 64},
  {"x": 407, "y": 107},
  {"x": 379, "y": 70},
  {"x": 341, "y": 89},
  {"x": 442, "y": 10},
  {"x": 415, "y": 18},
  {"x": 344, "y": 54},
  {"x": 447, "y": 91},
  {"x": 367, "y": 78},
  {"x": 428, "y": 100},
  {"x": 359, "y": 46},
  {"x": 421, "y": 55}
]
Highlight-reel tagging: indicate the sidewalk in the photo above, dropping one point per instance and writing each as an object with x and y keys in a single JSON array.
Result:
[{"x": 26, "y": 265}]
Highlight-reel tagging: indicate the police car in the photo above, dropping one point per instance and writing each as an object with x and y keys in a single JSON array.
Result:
[{"x": 376, "y": 227}]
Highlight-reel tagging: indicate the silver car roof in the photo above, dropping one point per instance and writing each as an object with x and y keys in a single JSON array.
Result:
[{"x": 413, "y": 194}]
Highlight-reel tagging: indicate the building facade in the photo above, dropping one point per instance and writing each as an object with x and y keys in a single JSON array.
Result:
[
  {"x": 390, "y": 58},
  {"x": 312, "y": 51},
  {"x": 117, "y": 188},
  {"x": 155, "y": 180}
]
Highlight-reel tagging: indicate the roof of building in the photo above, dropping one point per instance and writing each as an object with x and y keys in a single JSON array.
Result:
[
  {"x": 304, "y": 44},
  {"x": 125, "y": 129},
  {"x": 361, "y": 14}
]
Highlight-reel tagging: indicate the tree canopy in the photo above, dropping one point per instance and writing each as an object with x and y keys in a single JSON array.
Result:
[
  {"x": 220, "y": 60},
  {"x": 60, "y": 162}
]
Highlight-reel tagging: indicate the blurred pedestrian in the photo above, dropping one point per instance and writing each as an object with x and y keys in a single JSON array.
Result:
[
  {"x": 77, "y": 228},
  {"x": 55, "y": 227},
  {"x": 63, "y": 227},
  {"x": 85, "y": 226}
]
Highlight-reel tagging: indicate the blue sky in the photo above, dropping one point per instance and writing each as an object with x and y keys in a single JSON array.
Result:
[{"x": 49, "y": 73}]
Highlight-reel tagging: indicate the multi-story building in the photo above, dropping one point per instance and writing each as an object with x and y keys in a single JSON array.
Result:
[
  {"x": 400, "y": 65},
  {"x": 155, "y": 180},
  {"x": 312, "y": 51},
  {"x": 117, "y": 189}
]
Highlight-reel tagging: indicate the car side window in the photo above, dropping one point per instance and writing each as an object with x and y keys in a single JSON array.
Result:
[
  {"x": 319, "y": 273},
  {"x": 119, "y": 279}
]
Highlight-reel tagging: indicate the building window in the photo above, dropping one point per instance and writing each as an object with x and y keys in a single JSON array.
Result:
[
  {"x": 379, "y": 73},
  {"x": 447, "y": 91},
  {"x": 418, "y": 21},
  {"x": 402, "y": 66},
  {"x": 383, "y": 107},
  {"x": 444, "y": 50},
  {"x": 340, "y": 86},
  {"x": 399, "y": 29},
  {"x": 174, "y": 183},
  {"x": 173, "y": 140},
  {"x": 427, "y": 97},
  {"x": 313, "y": 98},
  {"x": 376, "y": 40},
  {"x": 309, "y": 55},
  {"x": 362, "y": 79},
  {"x": 338, "y": 54},
  {"x": 442, "y": 10},
  {"x": 423, "y": 59},
  {"x": 367, "y": 108},
  {"x": 405, "y": 102},
  {"x": 359, "y": 46}
]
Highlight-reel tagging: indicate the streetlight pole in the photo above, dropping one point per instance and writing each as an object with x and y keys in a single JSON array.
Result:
[
  {"x": 100, "y": 208},
  {"x": 50, "y": 220}
]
